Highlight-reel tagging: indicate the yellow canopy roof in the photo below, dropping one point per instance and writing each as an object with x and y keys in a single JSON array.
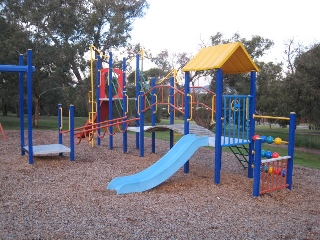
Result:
[{"x": 231, "y": 58}]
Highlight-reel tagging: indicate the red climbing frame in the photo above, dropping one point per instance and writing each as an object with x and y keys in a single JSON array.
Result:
[
  {"x": 103, "y": 73},
  {"x": 273, "y": 175}
]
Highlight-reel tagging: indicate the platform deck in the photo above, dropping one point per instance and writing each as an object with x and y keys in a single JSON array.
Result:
[{"x": 48, "y": 149}]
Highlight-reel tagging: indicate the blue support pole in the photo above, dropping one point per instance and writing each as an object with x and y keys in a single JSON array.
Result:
[
  {"x": 71, "y": 119},
  {"x": 125, "y": 107},
  {"x": 218, "y": 148},
  {"x": 141, "y": 146},
  {"x": 124, "y": 125},
  {"x": 252, "y": 126},
  {"x": 171, "y": 112},
  {"x": 15, "y": 68},
  {"x": 98, "y": 120},
  {"x": 110, "y": 99},
  {"x": 59, "y": 125},
  {"x": 21, "y": 105},
  {"x": 154, "y": 112},
  {"x": 138, "y": 87},
  {"x": 29, "y": 69},
  {"x": 292, "y": 129},
  {"x": 30, "y": 95},
  {"x": 186, "y": 112},
  {"x": 186, "y": 103},
  {"x": 257, "y": 160}
]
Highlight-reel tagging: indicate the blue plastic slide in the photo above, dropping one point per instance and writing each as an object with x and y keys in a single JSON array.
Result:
[{"x": 160, "y": 171}]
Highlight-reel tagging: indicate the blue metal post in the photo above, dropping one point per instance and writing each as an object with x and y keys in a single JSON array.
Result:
[
  {"x": 125, "y": 107},
  {"x": 141, "y": 146},
  {"x": 59, "y": 125},
  {"x": 98, "y": 120},
  {"x": 257, "y": 160},
  {"x": 15, "y": 68},
  {"x": 252, "y": 109},
  {"x": 218, "y": 148},
  {"x": 21, "y": 105},
  {"x": 292, "y": 129},
  {"x": 171, "y": 112},
  {"x": 186, "y": 112},
  {"x": 154, "y": 112},
  {"x": 124, "y": 125},
  {"x": 30, "y": 95},
  {"x": 71, "y": 119},
  {"x": 138, "y": 87},
  {"x": 110, "y": 99}
]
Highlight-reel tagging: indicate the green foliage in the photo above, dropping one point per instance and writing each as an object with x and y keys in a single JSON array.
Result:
[
  {"x": 279, "y": 94},
  {"x": 59, "y": 33},
  {"x": 256, "y": 46},
  {"x": 308, "y": 141},
  {"x": 305, "y": 85},
  {"x": 13, "y": 41},
  {"x": 270, "y": 94},
  {"x": 303, "y": 137}
]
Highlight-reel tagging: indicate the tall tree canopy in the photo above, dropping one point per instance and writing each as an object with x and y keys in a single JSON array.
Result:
[
  {"x": 74, "y": 24},
  {"x": 60, "y": 33},
  {"x": 13, "y": 41},
  {"x": 303, "y": 86}
]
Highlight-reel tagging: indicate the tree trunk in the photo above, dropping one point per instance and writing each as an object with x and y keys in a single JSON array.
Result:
[
  {"x": 17, "y": 110},
  {"x": 4, "y": 108},
  {"x": 36, "y": 113}
]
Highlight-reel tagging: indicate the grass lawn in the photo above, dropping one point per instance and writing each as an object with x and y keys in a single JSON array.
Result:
[
  {"x": 11, "y": 122},
  {"x": 304, "y": 138}
]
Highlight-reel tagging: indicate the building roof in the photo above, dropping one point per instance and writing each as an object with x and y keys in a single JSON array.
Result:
[{"x": 231, "y": 58}]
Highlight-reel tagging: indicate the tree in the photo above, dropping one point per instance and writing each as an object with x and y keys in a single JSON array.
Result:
[
  {"x": 269, "y": 89},
  {"x": 304, "y": 85},
  {"x": 293, "y": 50},
  {"x": 256, "y": 46},
  {"x": 13, "y": 41},
  {"x": 66, "y": 28}
]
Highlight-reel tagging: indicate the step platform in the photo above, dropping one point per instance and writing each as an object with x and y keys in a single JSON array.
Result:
[{"x": 48, "y": 149}]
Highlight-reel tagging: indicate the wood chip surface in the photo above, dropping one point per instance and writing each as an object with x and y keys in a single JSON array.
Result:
[{"x": 58, "y": 199}]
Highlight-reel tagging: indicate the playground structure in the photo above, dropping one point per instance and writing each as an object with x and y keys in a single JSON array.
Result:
[
  {"x": 240, "y": 108},
  {"x": 30, "y": 148},
  {"x": 274, "y": 171},
  {"x": 233, "y": 115},
  {"x": 146, "y": 99},
  {"x": 233, "y": 59}
]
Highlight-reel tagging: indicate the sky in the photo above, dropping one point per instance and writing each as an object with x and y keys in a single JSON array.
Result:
[{"x": 181, "y": 25}]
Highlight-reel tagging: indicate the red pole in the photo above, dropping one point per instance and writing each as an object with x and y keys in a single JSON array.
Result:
[{"x": 3, "y": 134}]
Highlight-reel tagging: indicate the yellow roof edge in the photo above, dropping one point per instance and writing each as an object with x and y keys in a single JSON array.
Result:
[
  {"x": 239, "y": 44},
  {"x": 249, "y": 57},
  {"x": 230, "y": 48}
]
